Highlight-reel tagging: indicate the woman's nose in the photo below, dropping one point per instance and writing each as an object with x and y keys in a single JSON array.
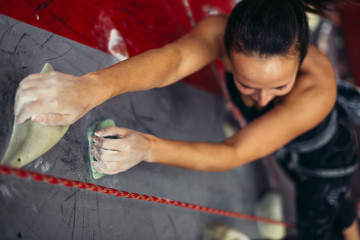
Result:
[{"x": 264, "y": 97}]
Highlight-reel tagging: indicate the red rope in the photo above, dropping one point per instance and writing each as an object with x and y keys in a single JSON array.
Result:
[{"x": 97, "y": 188}]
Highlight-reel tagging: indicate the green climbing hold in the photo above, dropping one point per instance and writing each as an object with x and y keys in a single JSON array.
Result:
[{"x": 91, "y": 130}]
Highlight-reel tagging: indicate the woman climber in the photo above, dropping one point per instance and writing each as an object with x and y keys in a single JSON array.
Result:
[{"x": 285, "y": 88}]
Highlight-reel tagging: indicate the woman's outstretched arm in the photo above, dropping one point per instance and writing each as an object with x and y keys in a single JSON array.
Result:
[{"x": 61, "y": 99}]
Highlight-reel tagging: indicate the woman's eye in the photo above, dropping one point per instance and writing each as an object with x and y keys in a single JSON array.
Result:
[
  {"x": 280, "y": 88},
  {"x": 244, "y": 86}
]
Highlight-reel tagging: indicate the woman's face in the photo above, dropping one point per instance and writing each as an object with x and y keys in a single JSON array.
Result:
[{"x": 263, "y": 79}]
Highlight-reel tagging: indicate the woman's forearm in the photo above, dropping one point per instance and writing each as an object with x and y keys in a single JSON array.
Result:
[
  {"x": 201, "y": 156},
  {"x": 127, "y": 148},
  {"x": 151, "y": 69}
]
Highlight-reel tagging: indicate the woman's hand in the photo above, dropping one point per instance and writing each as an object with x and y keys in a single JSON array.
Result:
[
  {"x": 118, "y": 149},
  {"x": 56, "y": 99}
]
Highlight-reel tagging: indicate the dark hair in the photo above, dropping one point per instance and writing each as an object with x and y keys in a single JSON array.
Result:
[{"x": 265, "y": 28}]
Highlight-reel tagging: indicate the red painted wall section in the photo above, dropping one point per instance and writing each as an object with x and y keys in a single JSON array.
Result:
[
  {"x": 122, "y": 28},
  {"x": 350, "y": 24}
]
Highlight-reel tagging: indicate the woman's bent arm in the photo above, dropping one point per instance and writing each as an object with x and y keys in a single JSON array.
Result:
[{"x": 303, "y": 108}]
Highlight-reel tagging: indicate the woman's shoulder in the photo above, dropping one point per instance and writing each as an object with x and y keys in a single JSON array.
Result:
[
  {"x": 314, "y": 93},
  {"x": 215, "y": 26},
  {"x": 212, "y": 29},
  {"x": 219, "y": 20},
  {"x": 316, "y": 76},
  {"x": 211, "y": 26}
]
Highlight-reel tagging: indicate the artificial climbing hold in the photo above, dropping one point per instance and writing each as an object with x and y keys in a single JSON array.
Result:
[
  {"x": 30, "y": 140},
  {"x": 270, "y": 206}
]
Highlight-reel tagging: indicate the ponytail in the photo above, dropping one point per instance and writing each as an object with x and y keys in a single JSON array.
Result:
[{"x": 265, "y": 28}]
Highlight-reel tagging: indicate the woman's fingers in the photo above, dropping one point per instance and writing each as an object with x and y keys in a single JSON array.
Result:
[
  {"x": 100, "y": 169},
  {"x": 53, "y": 119},
  {"x": 118, "y": 149},
  {"x": 31, "y": 89},
  {"x": 34, "y": 110},
  {"x": 102, "y": 154},
  {"x": 116, "y": 143},
  {"x": 112, "y": 131},
  {"x": 54, "y": 98},
  {"x": 108, "y": 161},
  {"x": 113, "y": 138}
]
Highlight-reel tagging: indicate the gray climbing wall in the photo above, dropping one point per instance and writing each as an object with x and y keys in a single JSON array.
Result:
[{"x": 33, "y": 210}]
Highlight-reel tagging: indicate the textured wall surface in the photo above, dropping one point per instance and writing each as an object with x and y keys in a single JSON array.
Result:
[{"x": 32, "y": 210}]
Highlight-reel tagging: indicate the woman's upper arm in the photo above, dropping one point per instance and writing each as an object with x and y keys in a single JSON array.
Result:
[
  {"x": 202, "y": 45},
  {"x": 310, "y": 101}
]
